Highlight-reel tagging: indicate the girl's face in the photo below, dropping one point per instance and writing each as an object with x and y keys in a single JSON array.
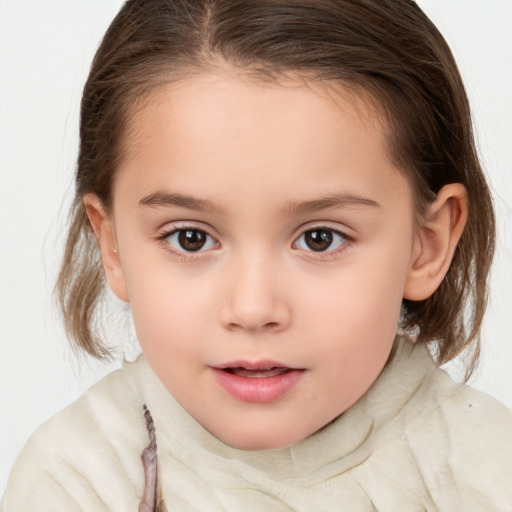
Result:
[{"x": 265, "y": 239}]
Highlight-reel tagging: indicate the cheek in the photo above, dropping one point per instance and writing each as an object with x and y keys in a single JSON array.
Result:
[
  {"x": 363, "y": 297},
  {"x": 355, "y": 316},
  {"x": 168, "y": 312},
  {"x": 353, "y": 342}
]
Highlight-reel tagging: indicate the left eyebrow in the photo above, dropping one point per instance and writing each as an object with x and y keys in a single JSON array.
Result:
[{"x": 328, "y": 202}]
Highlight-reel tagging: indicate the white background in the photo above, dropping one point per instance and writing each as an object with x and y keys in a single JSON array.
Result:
[{"x": 45, "y": 51}]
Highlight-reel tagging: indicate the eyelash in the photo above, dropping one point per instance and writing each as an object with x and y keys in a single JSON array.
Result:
[
  {"x": 332, "y": 253},
  {"x": 186, "y": 256}
]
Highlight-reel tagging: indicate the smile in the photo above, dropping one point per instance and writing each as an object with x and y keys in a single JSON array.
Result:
[{"x": 257, "y": 382}]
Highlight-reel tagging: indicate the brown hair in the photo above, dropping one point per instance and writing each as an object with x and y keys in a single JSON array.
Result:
[{"x": 388, "y": 48}]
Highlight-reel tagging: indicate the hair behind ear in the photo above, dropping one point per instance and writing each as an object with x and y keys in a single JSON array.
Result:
[
  {"x": 450, "y": 319},
  {"x": 81, "y": 283}
]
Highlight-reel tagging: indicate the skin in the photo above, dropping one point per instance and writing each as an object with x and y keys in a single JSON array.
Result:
[{"x": 256, "y": 291}]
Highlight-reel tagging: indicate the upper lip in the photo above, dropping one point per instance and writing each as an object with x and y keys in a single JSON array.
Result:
[{"x": 265, "y": 364}]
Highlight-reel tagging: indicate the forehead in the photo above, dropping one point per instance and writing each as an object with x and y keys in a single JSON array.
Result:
[
  {"x": 283, "y": 137},
  {"x": 201, "y": 97}
]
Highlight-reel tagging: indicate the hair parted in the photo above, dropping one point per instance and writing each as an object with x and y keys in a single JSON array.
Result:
[{"x": 387, "y": 48}]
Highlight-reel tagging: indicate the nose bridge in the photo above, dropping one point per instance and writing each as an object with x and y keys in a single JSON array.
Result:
[{"x": 254, "y": 297}]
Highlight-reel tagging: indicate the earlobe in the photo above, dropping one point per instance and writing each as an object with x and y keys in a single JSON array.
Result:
[
  {"x": 435, "y": 242},
  {"x": 103, "y": 228}
]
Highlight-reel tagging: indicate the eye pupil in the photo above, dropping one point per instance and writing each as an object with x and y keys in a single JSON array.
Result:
[
  {"x": 191, "y": 239},
  {"x": 318, "y": 239}
]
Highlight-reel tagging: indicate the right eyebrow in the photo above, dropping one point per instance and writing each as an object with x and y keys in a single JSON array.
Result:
[{"x": 164, "y": 198}]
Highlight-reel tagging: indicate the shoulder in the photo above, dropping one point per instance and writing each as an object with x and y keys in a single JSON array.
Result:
[
  {"x": 87, "y": 453},
  {"x": 443, "y": 444},
  {"x": 466, "y": 414},
  {"x": 463, "y": 440}
]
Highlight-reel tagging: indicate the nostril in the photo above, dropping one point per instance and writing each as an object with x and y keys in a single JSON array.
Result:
[
  {"x": 270, "y": 326},
  {"x": 262, "y": 315}
]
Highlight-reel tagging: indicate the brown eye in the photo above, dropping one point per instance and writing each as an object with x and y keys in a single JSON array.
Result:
[
  {"x": 190, "y": 240},
  {"x": 320, "y": 240}
]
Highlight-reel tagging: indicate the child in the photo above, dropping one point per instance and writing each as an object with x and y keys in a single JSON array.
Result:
[{"x": 288, "y": 196}]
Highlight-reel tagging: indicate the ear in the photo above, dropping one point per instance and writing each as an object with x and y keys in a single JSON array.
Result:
[
  {"x": 103, "y": 228},
  {"x": 435, "y": 242}
]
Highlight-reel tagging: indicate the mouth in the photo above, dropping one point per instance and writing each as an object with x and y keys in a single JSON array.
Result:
[
  {"x": 263, "y": 373},
  {"x": 260, "y": 382}
]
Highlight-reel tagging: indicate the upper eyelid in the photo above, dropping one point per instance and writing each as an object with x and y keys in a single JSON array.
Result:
[
  {"x": 171, "y": 227},
  {"x": 344, "y": 231}
]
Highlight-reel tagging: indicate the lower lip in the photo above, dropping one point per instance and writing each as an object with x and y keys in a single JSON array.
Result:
[{"x": 259, "y": 389}]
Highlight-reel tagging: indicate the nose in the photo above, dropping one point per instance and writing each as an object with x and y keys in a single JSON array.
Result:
[{"x": 255, "y": 298}]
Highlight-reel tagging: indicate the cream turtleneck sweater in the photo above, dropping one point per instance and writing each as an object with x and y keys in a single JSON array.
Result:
[{"x": 415, "y": 442}]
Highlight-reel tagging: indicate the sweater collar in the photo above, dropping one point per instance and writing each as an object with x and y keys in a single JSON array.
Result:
[{"x": 344, "y": 443}]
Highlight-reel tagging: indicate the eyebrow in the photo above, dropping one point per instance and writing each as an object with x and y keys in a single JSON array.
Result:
[
  {"x": 328, "y": 202},
  {"x": 162, "y": 198}
]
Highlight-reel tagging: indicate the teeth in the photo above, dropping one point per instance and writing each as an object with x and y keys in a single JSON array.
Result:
[{"x": 257, "y": 374}]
